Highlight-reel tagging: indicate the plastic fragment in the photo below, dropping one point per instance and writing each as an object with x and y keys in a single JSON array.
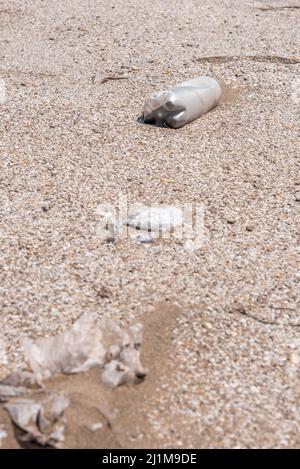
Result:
[
  {"x": 21, "y": 378},
  {"x": 124, "y": 363},
  {"x": 41, "y": 422},
  {"x": 7, "y": 392},
  {"x": 156, "y": 218},
  {"x": 17, "y": 384},
  {"x": 144, "y": 238},
  {"x": 80, "y": 348},
  {"x": 76, "y": 350}
]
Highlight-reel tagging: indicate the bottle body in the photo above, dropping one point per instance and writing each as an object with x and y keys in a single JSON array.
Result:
[{"x": 183, "y": 103}]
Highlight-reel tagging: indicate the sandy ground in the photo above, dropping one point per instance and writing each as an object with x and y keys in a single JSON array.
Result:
[{"x": 222, "y": 323}]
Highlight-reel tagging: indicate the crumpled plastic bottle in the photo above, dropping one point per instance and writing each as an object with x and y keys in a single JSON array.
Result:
[{"x": 182, "y": 104}]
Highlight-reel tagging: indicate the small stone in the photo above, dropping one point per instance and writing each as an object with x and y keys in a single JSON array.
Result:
[
  {"x": 294, "y": 358},
  {"x": 192, "y": 245},
  {"x": 297, "y": 196},
  {"x": 230, "y": 220},
  {"x": 250, "y": 227},
  {"x": 95, "y": 426},
  {"x": 288, "y": 126},
  {"x": 103, "y": 292},
  {"x": 208, "y": 325},
  {"x": 167, "y": 180}
]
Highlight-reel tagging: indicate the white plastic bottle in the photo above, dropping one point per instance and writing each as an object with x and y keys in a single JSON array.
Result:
[{"x": 182, "y": 104}]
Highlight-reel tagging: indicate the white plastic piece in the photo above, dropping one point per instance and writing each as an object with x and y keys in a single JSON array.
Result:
[
  {"x": 182, "y": 104},
  {"x": 144, "y": 238},
  {"x": 156, "y": 218}
]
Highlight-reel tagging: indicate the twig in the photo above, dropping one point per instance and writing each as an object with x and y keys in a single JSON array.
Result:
[
  {"x": 253, "y": 58},
  {"x": 243, "y": 312},
  {"x": 113, "y": 78},
  {"x": 108, "y": 417},
  {"x": 274, "y": 8}
]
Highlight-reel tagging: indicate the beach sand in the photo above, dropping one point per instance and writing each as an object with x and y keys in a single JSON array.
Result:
[{"x": 221, "y": 323}]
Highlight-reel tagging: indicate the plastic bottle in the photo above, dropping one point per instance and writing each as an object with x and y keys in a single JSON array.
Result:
[{"x": 182, "y": 104}]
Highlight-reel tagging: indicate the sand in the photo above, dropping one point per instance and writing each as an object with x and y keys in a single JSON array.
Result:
[{"x": 224, "y": 354}]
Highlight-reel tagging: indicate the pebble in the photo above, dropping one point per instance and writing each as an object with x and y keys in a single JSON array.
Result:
[
  {"x": 95, "y": 426},
  {"x": 294, "y": 358}
]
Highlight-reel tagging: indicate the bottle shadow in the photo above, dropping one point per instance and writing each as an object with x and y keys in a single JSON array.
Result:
[{"x": 141, "y": 120}]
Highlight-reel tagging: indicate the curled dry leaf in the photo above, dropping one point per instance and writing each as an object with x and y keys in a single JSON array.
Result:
[
  {"x": 40, "y": 421},
  {"x": 76, "y": 350},
  {"x": 123, "y": 361}
]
